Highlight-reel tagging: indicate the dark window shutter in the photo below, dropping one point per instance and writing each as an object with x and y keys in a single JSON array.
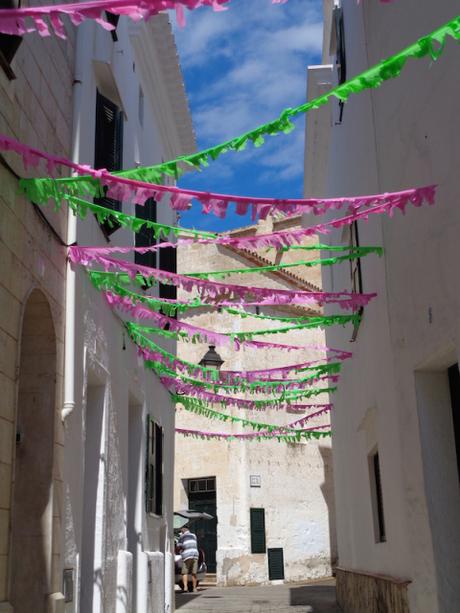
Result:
[
  {"x": 158, "y": 469},
  {"x": 257, "y": 517},
  {"x": 379, "y": 499},
  {"x": 9, "y": 43},
  {"x": 454, "y": 386},
  {"x": 150, "y": 467},
  {"x": 108, "y": 149},
  {"x": 341, "y": 60},
  {"x": 146, "y": 237},
  {"x": 275, "y": 564},
  {"x": 168, "y": 262},
  {"x": 113, "y": 19}
]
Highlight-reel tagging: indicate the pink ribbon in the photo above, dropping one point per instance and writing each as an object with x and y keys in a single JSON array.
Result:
[{"x": 212, "y": 292}]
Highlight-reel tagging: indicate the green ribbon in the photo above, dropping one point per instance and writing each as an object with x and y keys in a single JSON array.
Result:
[
  {"x": 195, "y": 406},
  {"x": 432, "y": 45},
  {"x": 222, "y": 274}
]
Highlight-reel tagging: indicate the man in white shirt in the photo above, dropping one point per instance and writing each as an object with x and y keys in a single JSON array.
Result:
[{"x": 188, "y": 548}]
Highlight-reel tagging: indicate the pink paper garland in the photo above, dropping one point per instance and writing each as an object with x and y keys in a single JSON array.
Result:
[
  {"x": 211, "y": 290},
  {"x": 139, "y": 311},
  {"x": 138, "y": 192},
  {"x": 32, "y": 19},
  {"x": 244, "y": 436},
  {"x": 188, "y": 389},
  {"x": 278, "y": 240}
]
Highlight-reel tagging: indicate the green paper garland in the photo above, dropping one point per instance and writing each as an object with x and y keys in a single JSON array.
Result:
[
  {"x": 193, "y": 406},
  {"x": 253, "y": 387},
  {"x": 281, "y": 438},
  {"x": 105, "y": 280},
  {"x": 41, "y": 190}
]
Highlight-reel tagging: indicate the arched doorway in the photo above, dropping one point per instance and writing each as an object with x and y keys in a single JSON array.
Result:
[{"x": 32, "y": 509}]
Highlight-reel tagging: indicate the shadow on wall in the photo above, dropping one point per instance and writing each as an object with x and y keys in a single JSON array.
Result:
[{"x": 327, "y": 489}]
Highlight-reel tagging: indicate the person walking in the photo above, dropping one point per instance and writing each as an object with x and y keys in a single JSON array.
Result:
[{"x": 188, "y": 548}]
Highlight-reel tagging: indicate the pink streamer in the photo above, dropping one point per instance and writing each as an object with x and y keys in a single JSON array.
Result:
[
  {"x": 278, "y": 240},
  {"x": 211, "y": 291},
  {"x": 142, "y": 312},
  {"x": 138, "y": 192},
  {"x": 189, "y": 389},
  {"x": 251, "y": 435},
  {"x": 12, "y": 21}
]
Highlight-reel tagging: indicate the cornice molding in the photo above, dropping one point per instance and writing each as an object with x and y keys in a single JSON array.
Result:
[{"x": 162, "y": 82}]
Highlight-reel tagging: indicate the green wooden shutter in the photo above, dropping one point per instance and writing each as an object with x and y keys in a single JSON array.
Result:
[
  {"x": 108, "y": 149},
  {"x": 150, "y": 467},
  {"x": 257, "y": 517},
  {"x": 146, "y": 237},
  {"x": 275, "y": 564},
  {"x": 158, "y": 470}
]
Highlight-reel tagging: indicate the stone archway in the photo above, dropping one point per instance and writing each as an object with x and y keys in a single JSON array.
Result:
[{"x": 32, "y": 509}]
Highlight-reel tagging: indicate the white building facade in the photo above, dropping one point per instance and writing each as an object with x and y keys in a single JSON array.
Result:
[
  {"x": 396, "y": 433},
  {"x": 273, "y": 502},
  {"x": 129, "y": 110}
]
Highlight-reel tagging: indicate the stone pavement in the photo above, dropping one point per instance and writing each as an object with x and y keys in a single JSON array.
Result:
[{"x": 316, "y": 597}]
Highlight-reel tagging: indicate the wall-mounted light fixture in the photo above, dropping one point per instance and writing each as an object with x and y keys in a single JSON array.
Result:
[{"x": 211, "y": 359}]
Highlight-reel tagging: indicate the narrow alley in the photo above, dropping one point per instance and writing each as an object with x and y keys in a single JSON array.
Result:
[{"x": 318, "y": 597}]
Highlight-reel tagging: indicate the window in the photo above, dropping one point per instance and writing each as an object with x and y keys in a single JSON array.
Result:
[
  {"x": 340, "y": 57},
  {"x": 205, "y": 484},
  {"x": 141, "y": 106},
  {"x": 154, "y": 469},
  {"x": 168, "y": 262},
  {"x": 113, "y": 19},
  {"x": 257, "y": 518},
  {"x": 355, "y": 273},
  {"x": 9, "y": 44},
  {"x": 108, "y": 149},
  {"x": 275, "y": 564},
  {"x": 454, "y": 386},
  {"x": 377, "y": 497},
  {"x": 146, "y": 236}
]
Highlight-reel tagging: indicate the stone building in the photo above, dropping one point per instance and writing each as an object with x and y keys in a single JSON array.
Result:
[
  {"x": 396, "y": 419},
  {"x": 35, "y": 108},
  {"x": 285, "y": 487},
  {"x": 130, "y": 110},
  {"x": 77, "y": 532}
]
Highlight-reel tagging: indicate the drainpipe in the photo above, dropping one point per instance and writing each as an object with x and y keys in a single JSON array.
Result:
[{"x": 83, "y": 49}]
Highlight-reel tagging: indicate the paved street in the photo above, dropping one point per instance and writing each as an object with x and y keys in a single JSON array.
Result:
[{"x": 292, "y": 598}]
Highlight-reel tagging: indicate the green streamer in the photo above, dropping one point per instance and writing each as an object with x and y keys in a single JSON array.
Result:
[
  {"x": 139, "y": 339},
  {"x": 432, "y": 45},
  {"x": 106, "y": 281},
  {"x": 253, "y": 387},
  {"x": 222, "y": 274},
  {"x": 195, "y": 406},
  {"x": 281, "y": 438}
]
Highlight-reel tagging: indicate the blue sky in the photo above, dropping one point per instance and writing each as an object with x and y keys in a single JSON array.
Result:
[{"x": 241, "y": 68}]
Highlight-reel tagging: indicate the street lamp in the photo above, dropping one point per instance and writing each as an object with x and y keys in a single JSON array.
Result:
[{"x": 211, "y": 358}]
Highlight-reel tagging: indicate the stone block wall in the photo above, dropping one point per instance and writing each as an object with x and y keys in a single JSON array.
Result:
[{"x": 36, "y": 109}]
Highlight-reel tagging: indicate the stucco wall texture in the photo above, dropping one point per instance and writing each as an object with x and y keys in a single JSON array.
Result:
[
  {"x": 296, "y": 480},
  {"x": 36, "y": 109},
  {"x": 394, "y": 394}
]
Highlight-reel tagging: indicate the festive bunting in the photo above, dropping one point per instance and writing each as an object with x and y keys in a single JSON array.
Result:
[
  {"x": 108, "y": 281},
  {"x": 301, "y": 434},
  {"x": 196, "y": 334},
  {"x": 178, "y": 387},
  {"x": 195, "y": 407},
  {"x": 212, "y": 291},
  {"x": 278, "y": 240},
  {"x": 254, "y": 387},
  {"x": 47, "y": 20},
  {"x": 431, "y": 45},
  {"x": 156, "y": 354}
]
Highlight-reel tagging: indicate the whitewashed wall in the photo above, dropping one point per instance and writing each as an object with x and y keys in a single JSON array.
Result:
[
  {"x": 394, "y": 394},
  {"x": 117, "y": 551}
]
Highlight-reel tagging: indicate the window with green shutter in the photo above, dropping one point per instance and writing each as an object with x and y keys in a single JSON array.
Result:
[
  {"x": 108, "y": 149},
  {"x": 146, "y": 237},
  {"x": 154, "y": 468},
  {"x": 257, "y": 517}
]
